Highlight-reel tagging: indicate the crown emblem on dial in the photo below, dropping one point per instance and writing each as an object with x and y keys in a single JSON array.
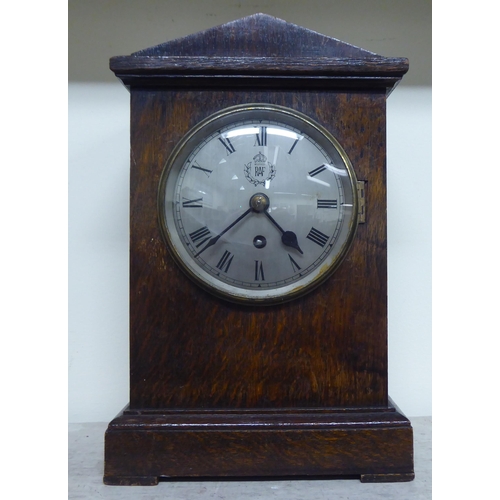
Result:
[
  {"x": 260, "y": 170},
  {"x": 260, "y": 158}
]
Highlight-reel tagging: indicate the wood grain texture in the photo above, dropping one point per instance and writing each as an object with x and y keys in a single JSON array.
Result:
[
  {"x": 376, "y": 66},
  {"x": 221, "y": 389},
  {"x": 259, "y": 51},
  {"x": 256, "y": 35},
  {"x": 190, "y": 349},
  {"x": 374, "y": 446}
]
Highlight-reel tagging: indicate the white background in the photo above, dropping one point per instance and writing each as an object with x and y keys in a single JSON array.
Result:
[
  {"x": 34, "y": 199},
  {"x": 98, "y": 250},
  {"x": 99, "y": 184}
]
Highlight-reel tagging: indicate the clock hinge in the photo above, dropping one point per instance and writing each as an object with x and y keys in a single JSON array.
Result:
[{"x": 361, "y": 202}]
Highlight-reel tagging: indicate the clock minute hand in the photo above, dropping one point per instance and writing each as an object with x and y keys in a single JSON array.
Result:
[
  {"x": 288, "y": 238},
  {"x": 215, "y": 239}
]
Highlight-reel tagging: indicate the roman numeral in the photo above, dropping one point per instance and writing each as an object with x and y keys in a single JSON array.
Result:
[
  {"x": 317, "y": 171},
  {"x": 294, "y": 264},
  {"x": 202, "y": 234},
  {"x": 328, "y": 204},
  {"x": 204, "y": 170},
  {"x": 259, "y": 271},
  {"x": 261, "y": 137},
  {"x": 192, "y": 203},
  {"x": 227, "y": 144},
  {"x": 225, "y": 261},
  {"x": 293, "y": 146},
  {"x": 318, "y": 237}
]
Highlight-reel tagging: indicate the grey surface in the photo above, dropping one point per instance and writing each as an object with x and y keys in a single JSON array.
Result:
[
  {"x": 86, "y": 447},
  {"x": 100, "y": 29}
]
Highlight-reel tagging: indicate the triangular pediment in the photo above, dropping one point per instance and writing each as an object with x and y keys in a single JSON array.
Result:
[
  {"x": 259, "y": 50},
  {"x": 259, "y": 35}
]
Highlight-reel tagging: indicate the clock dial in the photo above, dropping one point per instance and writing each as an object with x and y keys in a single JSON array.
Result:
[{"x": 258, "y": 204}]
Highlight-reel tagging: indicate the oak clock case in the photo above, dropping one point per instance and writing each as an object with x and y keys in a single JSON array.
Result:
[
  {"x": 258, "y": 204},
  {"x": 258, "y": 274}
]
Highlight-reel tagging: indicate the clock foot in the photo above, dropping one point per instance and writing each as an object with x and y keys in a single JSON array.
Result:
[
  {"x": 131, "y": 480},
  {"x": 387, "y": 478}
]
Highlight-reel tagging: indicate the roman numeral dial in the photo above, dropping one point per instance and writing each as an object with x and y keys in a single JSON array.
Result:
[
  {"x": 206, "y": 171},
  {"x": 261, "y": 137},
  {"x": 316, "y": 171},
  {"x": 200, "y": 236},
  {"x": 225, "y": 261},
  {"x": 227, "y": 144},
  {"x": 257, "y": 204},
  {"x": 317, "y": 237},
  {"x": 334, "y": 204},
  {"x": 259, "y": 271},
  {"x": 195, "y": 203}
]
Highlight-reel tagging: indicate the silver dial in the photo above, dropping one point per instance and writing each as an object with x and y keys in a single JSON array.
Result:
[{"x": 258, "y": 204}]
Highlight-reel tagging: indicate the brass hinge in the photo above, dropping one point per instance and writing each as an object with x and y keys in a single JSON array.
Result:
[{"x": 361, "y": 202}]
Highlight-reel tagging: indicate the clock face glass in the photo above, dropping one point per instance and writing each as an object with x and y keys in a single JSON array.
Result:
[{"x": 258, "y": 204}]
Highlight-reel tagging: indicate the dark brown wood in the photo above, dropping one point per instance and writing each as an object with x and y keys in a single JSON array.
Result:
[
  {"x": 375, "y": 446},
  {"x": 325, "y": 349},
  {"x": 387, "y": 478},
  {"x": 220, "y": 389},
  {"x": 259, "y": 51},
  {"x": 257, "y": 35},
  {"x": 376, "y": 66}
]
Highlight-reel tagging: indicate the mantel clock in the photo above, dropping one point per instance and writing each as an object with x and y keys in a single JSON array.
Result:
[{"x": 258, "y": 260}]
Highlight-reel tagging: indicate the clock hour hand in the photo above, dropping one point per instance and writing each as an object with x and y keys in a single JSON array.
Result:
[
  {"x": 288, "y": 238},
  {"x": 215, "y": 239},
  {"x": 260, "y": 203}
]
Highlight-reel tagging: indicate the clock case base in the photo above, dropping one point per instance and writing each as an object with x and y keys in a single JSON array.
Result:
[{"x": 374, "y": 445}]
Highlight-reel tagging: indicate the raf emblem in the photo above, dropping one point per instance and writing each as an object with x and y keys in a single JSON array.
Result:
[{"x": 259, "y": 171}]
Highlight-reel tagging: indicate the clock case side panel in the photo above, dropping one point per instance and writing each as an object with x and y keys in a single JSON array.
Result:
[{"x": 191, "y": 350}]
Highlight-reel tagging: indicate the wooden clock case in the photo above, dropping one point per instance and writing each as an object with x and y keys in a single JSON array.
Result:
[{"x": 225, "y": 390}]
